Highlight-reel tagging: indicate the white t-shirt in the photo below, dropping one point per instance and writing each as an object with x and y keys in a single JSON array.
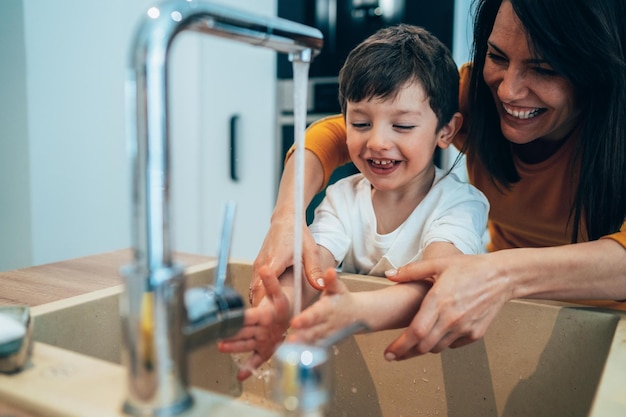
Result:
[{"x": 345, "y": 223}]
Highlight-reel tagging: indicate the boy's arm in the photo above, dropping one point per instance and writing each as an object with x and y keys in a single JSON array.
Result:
[
  {"x": 391, "y": 307},
  {"x": 440, "y": 249},
  {"x": 394, "y": 307},
  {"x": 404, "y": 301},
  {"x": 387, "y": 308}
]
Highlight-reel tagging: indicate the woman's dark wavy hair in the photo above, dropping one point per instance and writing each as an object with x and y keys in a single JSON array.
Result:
[
  {"x": 584, "y": 41},
  {"x": 384, "y": 62}
]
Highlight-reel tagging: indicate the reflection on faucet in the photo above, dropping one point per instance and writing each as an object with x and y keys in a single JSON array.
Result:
[
  {"x": 303, "y": 376},
  {"x": 157, "y": 328}
]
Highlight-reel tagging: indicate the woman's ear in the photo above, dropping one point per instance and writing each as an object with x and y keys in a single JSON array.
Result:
[{"x": 447, "y": 133}]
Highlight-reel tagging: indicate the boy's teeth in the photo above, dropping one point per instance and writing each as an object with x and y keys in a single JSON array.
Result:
[{"x": 381, "y": 162}]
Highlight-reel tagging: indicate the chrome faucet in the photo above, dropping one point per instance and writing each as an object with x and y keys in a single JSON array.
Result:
[{"x": 157, "y": 323}]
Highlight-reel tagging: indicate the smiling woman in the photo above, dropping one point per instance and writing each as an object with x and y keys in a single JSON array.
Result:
[{"x": 533, "y": 100}]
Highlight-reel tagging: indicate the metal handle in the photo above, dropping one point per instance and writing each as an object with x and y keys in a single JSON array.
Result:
[{"x": 234, "y": 119}]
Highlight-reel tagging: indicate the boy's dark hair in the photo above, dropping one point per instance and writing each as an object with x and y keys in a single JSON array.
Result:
[{"x": 393, "y": 56}]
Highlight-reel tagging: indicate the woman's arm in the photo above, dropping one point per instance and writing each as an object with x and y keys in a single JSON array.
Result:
[
  {"x": 590, "y": 270},
  {"x": 325, "y": 150},
  {"x": 277, "y": 250},
  {"x": 470, "y": 290}
]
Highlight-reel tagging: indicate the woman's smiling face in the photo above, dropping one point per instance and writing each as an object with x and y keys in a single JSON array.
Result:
[{"x": 533, "y": 101}]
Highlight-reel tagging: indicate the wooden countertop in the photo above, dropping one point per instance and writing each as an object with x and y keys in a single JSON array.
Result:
[{"x": 55, "y": 281}]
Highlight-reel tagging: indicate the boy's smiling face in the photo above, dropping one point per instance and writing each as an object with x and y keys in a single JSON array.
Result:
[{"x": 392, "y": 140}]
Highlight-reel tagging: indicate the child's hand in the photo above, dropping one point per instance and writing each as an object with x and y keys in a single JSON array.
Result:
[
  {"x": 336, "y": 309},
  {"x": 264, "y": 326}
]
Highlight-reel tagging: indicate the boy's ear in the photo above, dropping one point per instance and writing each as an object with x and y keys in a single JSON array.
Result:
[{"x": 447, "y": 133}]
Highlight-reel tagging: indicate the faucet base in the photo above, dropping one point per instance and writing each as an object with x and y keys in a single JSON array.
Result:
[
  {"x": 170, "y": 410},
  {"x": 152, "y": 319}
]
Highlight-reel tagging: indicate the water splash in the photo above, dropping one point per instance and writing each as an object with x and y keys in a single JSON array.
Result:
[{"x": 260, "y": 373}]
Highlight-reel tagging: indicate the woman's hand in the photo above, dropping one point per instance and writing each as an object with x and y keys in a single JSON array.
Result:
[
  {"x": 264, "y": 326},
  {"x": 466, "y": 296},
  {"x": 277, "y": 254},
  {"x": 277, "y": 250}
]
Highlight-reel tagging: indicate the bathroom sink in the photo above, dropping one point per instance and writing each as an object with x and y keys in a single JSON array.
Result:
[{"x": 537, "y": 359}]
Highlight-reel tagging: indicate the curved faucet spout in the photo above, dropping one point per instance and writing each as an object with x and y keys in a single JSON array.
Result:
[
  {"x": 147, "y": 96},
  {"x": 154, "y": 313}
]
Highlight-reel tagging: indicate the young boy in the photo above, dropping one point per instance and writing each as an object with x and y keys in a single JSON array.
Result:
[{"x": 398, "y": 92}]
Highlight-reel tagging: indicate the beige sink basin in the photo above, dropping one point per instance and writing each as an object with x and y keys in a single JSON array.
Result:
[{"x": 538, "y": 359}]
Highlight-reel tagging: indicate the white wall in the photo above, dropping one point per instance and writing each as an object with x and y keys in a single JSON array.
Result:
[
  {"x": 15, "y": 231},
  {"x": 462, "y": 44},
  {"x": 75, "y": 70},
  {"x": 67, "y": 194},
  {"x": 463, "y": 20},
  {"x": 64, "y": 169}
]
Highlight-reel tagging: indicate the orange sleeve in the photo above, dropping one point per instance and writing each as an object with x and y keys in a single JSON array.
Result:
[
  {"x": 613, "y": 305},
  {"x": 326, "y": 138},
  {"x": 619, "y": 237}
]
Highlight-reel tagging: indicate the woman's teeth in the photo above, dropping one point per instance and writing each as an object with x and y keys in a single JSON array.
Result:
[{"x": 526, "y": 114}]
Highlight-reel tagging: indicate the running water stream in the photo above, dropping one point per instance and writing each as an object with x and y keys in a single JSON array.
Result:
[{"x": 300, "y": 81}]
